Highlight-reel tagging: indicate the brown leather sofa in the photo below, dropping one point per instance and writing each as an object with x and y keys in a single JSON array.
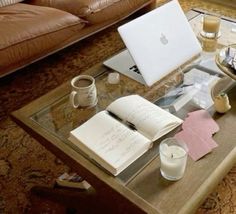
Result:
[{"x": 33, "y": 29}]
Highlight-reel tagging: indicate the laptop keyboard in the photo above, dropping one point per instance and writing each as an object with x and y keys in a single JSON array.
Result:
[{"x": 134, "y": 69}]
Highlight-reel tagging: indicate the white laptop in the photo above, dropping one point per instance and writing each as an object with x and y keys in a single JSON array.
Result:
[{"x": 157, "y": 43}]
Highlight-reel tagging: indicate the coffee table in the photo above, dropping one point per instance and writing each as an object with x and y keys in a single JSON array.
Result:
[{"x": 140, "y": 188}]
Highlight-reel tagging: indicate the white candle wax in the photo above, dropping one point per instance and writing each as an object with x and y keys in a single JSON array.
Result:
[{"x": 173, "y": 161}]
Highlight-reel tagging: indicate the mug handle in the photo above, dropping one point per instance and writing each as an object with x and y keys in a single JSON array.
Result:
[{"x": 72, "y": 99}]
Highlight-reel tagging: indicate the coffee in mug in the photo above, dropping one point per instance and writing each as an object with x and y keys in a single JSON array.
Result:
[
  {"x": 84, "y": 93},
  {"x": 83, "y": 83}
]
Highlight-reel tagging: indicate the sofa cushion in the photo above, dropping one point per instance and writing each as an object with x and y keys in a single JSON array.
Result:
[
  {"x": 77, "y": 7},
  {"x": 95, "y": 11},
  {"x": 20, "y": 22},
  {"x": 8, "y": 2},
  {"x": 80, "y": 8},
  {"x": 29, "y": 31}
]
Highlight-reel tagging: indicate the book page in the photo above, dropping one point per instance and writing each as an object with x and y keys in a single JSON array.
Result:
[
  {"x": 109, "y": 142},
  {"x": 149, "y": 119}
]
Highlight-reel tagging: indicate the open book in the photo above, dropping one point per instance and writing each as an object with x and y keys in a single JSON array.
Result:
[{"x": 117, "y": 136}]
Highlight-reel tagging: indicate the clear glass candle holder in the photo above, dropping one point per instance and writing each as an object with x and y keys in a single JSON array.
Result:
[
  {"x": 211, "y": 26},
  {"x": 173, "y": 156}
]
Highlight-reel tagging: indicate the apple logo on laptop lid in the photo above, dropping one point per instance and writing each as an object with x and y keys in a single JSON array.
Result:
[{"x": 164, "y": 39}]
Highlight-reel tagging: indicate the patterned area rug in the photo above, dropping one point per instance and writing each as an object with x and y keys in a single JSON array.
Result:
[{"x": 25, "y": 163}]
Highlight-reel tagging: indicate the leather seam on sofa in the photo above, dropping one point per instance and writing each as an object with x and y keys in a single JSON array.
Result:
[{"x": 100, "y": 9}]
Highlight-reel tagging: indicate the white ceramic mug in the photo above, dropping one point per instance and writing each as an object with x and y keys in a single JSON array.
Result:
[{"x": 84, "y": 92}]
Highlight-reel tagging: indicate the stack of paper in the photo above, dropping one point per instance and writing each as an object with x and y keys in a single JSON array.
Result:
[
  {"x": 204, "y": 82},
  {"x": 197, "y": 132}
]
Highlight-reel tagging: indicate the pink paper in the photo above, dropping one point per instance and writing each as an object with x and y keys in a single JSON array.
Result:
[
  {"x": 196, "y": 146},
  {"x": 201, "y": 120},
  {"x": 197, "y": 132},
  {"x": 205, "y": 137}
]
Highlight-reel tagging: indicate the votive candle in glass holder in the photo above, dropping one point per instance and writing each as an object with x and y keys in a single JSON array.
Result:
[
  {"x": 211, "y": 26},
  {"x": 173, "y": 156}
]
